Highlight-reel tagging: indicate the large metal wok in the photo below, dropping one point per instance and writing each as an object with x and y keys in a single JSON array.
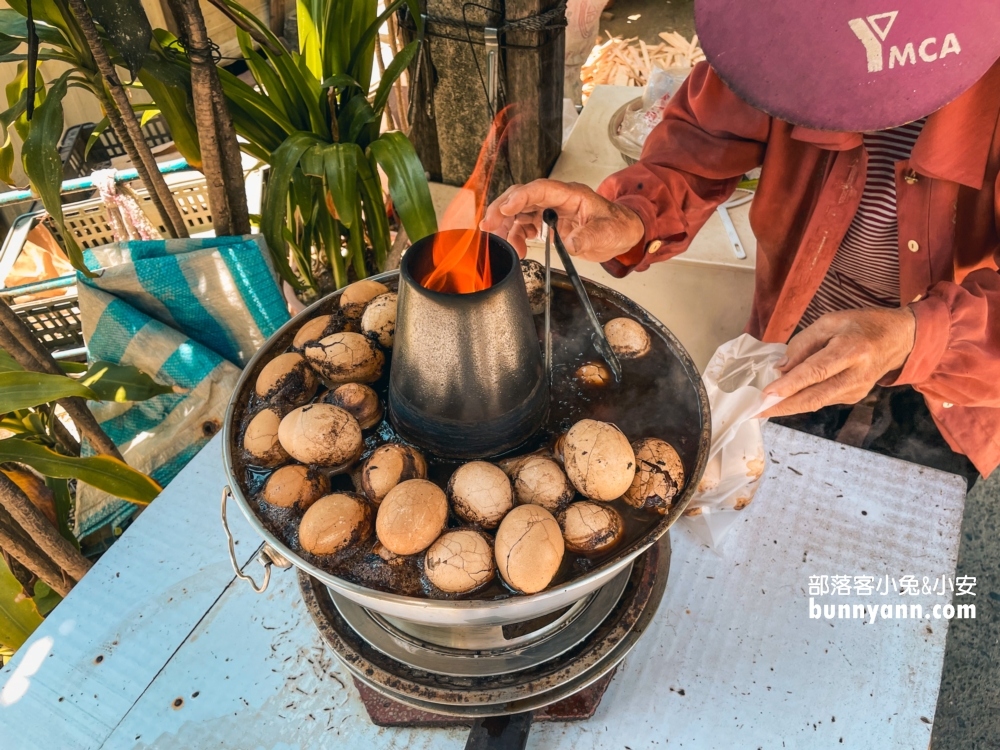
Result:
[{"x": 680, "y": 415}]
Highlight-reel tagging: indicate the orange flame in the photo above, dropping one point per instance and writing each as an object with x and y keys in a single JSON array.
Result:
[{"x": 463, "y": 266}]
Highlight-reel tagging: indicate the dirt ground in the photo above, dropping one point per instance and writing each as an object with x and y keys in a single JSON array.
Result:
[{"x": 654, "y": 16}]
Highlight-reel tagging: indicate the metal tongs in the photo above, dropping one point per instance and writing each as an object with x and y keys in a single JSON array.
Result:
[{"x": 550, "y": 218}]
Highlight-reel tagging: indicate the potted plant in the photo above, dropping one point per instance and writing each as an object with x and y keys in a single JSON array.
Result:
[
  {"x": 41, "y": 462},
  {"x": 312, "y": 118},
  {"x": 69, "y": 35}
]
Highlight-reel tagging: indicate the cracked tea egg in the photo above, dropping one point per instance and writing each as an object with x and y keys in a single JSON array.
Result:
[
  {"x": 335, "y": 522},
  {"x": 459, "y": 561},
  {"x": 480, "y": 493},
  {"x": 358, "y": 400},
  {"x": 598, "y": 459},
  {"x": 345, "y": 357},
  {"x": 287, "y": 378},
  {"x": 321, "y": 434},
  {"x": 534, "y": 282},
  {"x": 313, "y": 330},
  {"x": 389, "y": 465},
  {"x": 355, "y": 296},
  {"x": 627, "y": 338},
  {"x": 260, "y": 440},
  {"x": 539, "y": 480},
  {"x": 529, "y": 548},
  {"x": 659, "y": 476},
  {"x": 295, "y": 486},
  {"x": 589, "y": 528},
  {"x": 412, "y": 515},
  {"x": 379, "y": 319}
]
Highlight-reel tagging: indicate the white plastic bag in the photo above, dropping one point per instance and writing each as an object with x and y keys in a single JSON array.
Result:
[
  {"x": 638, "y": 123},
  {"x": 734, "y": 380}
]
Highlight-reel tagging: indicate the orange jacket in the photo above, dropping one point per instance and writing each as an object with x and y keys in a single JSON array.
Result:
[{"x": 810, "y": 187}]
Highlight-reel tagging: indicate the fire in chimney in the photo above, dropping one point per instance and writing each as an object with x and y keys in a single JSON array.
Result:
[{"x": 462, "y": 266}]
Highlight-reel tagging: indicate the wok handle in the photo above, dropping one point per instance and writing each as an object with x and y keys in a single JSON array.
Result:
[
  {"x": 508, "y": 732},
  {"x": 267, "y": 556}
]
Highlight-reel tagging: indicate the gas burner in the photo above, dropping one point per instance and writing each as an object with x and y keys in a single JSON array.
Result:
[{"x": 490, "y": 671}]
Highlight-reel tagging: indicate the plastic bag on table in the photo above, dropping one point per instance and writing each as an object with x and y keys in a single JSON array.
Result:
[
  {"x": 734, "y": 380},
  {"x": 638, "y": 123}
]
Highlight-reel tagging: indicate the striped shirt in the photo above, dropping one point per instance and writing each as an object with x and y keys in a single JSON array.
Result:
[{"x": 865, "y": 270}]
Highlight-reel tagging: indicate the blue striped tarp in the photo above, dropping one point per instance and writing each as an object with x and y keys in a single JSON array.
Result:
[{"x": 190, "y": 313}]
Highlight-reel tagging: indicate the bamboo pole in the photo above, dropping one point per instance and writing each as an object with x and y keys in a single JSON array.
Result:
[
  {"x": 21, "y": 344},
  {"x": 41, "y": 531},
  {"x": 221, "y": 162},
  {"x": 126, "y": 126},
  {"x": 401, "y": 106},
  {"x": 16, "y": 543}
]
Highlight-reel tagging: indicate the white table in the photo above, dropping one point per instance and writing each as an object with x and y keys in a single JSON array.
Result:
[{"x": 161, "y": 647}]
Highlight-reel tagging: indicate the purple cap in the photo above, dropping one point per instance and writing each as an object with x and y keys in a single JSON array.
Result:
[{"x": 849, "y": 65}]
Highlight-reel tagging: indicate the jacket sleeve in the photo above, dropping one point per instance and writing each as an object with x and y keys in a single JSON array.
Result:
[
  {"x": 691, "y": 162},
  {"x": 956, "y": 352}
]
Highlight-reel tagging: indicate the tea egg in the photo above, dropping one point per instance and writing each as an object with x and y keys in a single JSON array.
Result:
[
  {"x": 590, "y": 527},
  {"x": 335, "y": 522},
  {"x": 529, "y": 548},
  {"x": 412, "y": 515},
  {"x": 321, "y": 434},
  {"x": 260, "y": 440},
  {"x": 459, "y": 561},
  {"x": 480, "y": 493},
  {"x": 389, "y": 465},
  {"x": 598, "y": 459}
]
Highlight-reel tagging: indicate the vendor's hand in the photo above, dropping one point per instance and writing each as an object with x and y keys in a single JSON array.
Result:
[
  {"x": 590, "y": 226},
  {"x": 840, "y": 358}
]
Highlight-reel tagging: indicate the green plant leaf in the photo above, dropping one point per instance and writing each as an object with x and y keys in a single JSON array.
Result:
[
  {"x": 283, "y": 166},
  {"x": 270, "y": 83},
  {"x": 311, "y": 162},
  {"x": 363, "y": 52},
  {"x": 407, "y": 183},
  {"x": 64, "y": 505},
  {"x": 8, "y": 363},
  {"x": 121, "y": 383},
  {"x": 375, "y": 214},
  {"x": 40, "y": 160},
  {"x": 7, "y": 160},
  {"x": 8, "y": 44},
  {"x": 45, "y": 599},
  {"x": 22, "y": 390},
  {"x": 354, "y": 116},
  {"x": 340, "y": 163},
  {"x": 309, "y": 39},
  {"x": 103, "y": 472},
  {"x": 13, "y": 24},
  {"x": 56, "y": 14},
  {"x": 127, "y": 27},
  {"x": 18, "y": 620},
  {"x": 17, "y": 92},
  {"x": 340, "y": 81},
  {"x": 95, "y": 135},
  {"x": 392, "y": 71}
]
